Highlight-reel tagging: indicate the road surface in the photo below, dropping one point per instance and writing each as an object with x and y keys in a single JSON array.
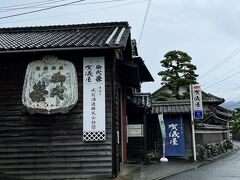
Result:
[{"x": 227, "y": 168}]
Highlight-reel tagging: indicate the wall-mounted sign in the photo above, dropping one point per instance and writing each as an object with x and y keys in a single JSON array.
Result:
[
  {"x": 135, "y": 130},
  {"x": 94, "y": 99},
  {"x": 197, "y": 101},
  {"x": 50, "y": 86}
]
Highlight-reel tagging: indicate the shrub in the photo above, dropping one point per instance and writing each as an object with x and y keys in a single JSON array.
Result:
[{"x": 213, "y": 149}]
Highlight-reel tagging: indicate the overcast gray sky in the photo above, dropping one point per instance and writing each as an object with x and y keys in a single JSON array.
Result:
[{"x": 208, "y": 30}]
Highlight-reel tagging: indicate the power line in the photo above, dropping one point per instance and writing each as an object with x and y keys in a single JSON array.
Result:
[
  {"x": 232, "y": 94},
  {"x": 31, "y": 5},
  {"x": 67, "y": 14},
  {"x": 227, "y": 73},
  {"x": 228, "y": 91},
  {"x": 144, "y": 21},
  {"x": 225, "y": 60},
  {"x": 101, "y": 2},
  {"x": 222, "y": 80},
  {"x": 235, "y": 104},
  {"x": 42, "y": 5},
  {"x": 232, "y": 70},
  {"x": 55, "y": 1},
  {"x": 39, "y": 10},
  {"x": 26, "y": 4}
]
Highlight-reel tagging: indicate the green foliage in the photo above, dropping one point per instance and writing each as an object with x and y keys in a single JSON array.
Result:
[
  {"x": 178, "y": 71},
  {"x": 235, "y": 120},
  {"x": 213, "y": 149},
  {"x": 185, "y": 95},
  {"x": 162, "y": 96},
  {"x": 205, "y": 113}
]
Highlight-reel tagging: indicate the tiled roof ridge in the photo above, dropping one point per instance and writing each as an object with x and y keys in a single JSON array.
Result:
[
  {"x": 65, "y": 27},
  {"x": 172, "y": 102},
  {"x": 220, "y": 108},
  {"x": 214, "y": 96}
]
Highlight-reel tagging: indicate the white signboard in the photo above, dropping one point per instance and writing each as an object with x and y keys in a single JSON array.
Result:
[
  {"x": 135, "y": 130},
  {"x": 197, "y": 101},
  {"x": 94, "y": 99},
  {"x": 50, "y": 86}
]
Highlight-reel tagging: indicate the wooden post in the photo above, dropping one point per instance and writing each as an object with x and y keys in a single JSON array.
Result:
[
  {"x": 145, "y": 135},
  {"x": 124, "y": 125}
]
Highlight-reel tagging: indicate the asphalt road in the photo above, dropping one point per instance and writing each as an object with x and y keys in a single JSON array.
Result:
[{"x": 227, "y": 168}]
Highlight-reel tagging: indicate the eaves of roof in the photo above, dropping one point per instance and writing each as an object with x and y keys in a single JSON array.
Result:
[
  {"x": 65, "y": 37},
  {"x": 204, "y": 126},
  {"x": 142, "y": 99},
  {"x": 209, "y": 98},
  {"x": 214, "y": 116},
  {"x": 145, "y": 75},
  {"x": 171, "y": 107},
  {"x": 222, "y": 113},
  {"x": 206, "y": 97},
  {"x": 223, "y": 109}
]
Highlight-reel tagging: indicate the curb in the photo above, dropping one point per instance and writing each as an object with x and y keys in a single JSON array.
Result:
[
  {"x": 198, "y": 164},
  {"x": 177, "y": 172}
]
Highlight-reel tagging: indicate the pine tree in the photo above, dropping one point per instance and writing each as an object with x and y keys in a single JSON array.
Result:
[{"x": 178, "y": 71}]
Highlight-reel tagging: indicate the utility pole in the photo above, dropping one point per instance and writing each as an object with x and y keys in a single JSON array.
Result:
[{"x": 192, "y": 122}]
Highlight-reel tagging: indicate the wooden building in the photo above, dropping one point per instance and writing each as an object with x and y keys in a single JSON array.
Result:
[
  {"x": 215, "y": 125},
  {"x": 50, "y": 128},
  {"x": 172, "y": 110},
  {"x": 138, "y": 108},
  {"x": 213, "y": 128}
]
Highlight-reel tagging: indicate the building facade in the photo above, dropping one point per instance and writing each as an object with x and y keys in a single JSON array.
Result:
[{"x": 63, "y": 96}]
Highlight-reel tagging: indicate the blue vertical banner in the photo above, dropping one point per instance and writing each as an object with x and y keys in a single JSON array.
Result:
[{"x": 175, "y": 140}]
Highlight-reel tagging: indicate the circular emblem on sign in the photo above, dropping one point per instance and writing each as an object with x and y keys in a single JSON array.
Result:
[{"x": 50, "y": 86}]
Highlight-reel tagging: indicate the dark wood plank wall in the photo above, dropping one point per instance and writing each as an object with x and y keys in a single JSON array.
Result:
[
  {"x": 188, "y": 135},
  {"x": 49, "y": 146},
  {"x": 135, "y": 145},
  {"x": 154, "y": 136}
]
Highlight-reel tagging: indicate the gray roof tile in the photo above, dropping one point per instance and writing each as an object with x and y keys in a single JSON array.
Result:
[
  {"x": 171, "y": 107},
  {"x": 98, "y": 35},
  {"x": 209, "y": 98}
]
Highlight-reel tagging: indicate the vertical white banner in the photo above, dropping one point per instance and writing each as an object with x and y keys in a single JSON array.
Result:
[
  {"x": 197, "y": 101},
  {"x": 94, "y": 122}
]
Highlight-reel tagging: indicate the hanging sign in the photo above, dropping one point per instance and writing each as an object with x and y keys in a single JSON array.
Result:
[
  {"x": 175, "y": 143},
  {"x": 197, "y": 101},
  {"x": 50, "y": 86},
  {"x": 94, "y": 99}
]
